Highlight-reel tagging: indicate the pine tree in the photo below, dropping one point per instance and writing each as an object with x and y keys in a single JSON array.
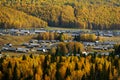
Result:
[
  {"x": 79, "y": 51},
  {"x": 1, "y": 61},
  {"x": 75, "y": 52},
  {"x": 53, "y": 58},
  {"x": 31, "y": 56},
  {"x": 24, "y": 57},
  {"x": 68, "y": 73},
  {"x": 58, "y": 76},
  {"x": 15, "y": 75},
  {"x": 76, "y": 66},
  {"x": 9, "y": 65},
  {"x": 57, "y": 52}
]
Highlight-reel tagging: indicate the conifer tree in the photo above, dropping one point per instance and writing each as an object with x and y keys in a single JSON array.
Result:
[
  {"x": 68, "y": 72},
  {"x": 24, "y": 57},
  {"x": 15, "y": 74}
]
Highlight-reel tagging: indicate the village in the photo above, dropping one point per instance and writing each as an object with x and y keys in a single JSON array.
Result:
[
  {"x": 44, "y": 46},
  {"x": 21, "y": 32}
]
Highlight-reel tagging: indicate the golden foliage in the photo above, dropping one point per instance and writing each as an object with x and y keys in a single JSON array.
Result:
[
  {"x": 11, "y": 18},
  {"x": 85, "y": 14},
  {"x": 62, "y": 68}
]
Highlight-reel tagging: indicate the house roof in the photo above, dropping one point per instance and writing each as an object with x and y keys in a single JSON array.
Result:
[
  {"x": 39, "y": 31},
  {"x": 22, "y": 49}
]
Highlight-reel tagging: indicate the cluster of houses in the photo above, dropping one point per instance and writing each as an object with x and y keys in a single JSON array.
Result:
[
  {"x": 18, "y": 32},
  {"x": 11, "y": 48},
  {"x": 100, "y": 45},
  {"x": 46, "y": 45},
  {"x": 32, "y": 46}
]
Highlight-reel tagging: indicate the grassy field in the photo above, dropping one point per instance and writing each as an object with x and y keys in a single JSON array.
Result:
[
  {"x": 115, "y": 38},
  {"x": 58, "y": 28},
  {"x": 15, "y": 40}
]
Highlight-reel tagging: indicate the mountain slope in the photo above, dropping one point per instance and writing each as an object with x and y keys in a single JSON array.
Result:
[
  {"x": 85, "y": 14},
  {"x": 11, "y": 18}
]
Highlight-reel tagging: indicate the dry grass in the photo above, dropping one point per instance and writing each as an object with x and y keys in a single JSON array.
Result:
[
  {"x": 16, "y": 54},
  {"x": 60, "y": 28},
  {"x": 15, "y": 40},
  {"x": 116, "y": 39}
]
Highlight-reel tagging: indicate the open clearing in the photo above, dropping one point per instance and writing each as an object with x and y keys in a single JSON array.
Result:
[
  {"x": 16, "y": 40},
  {"x": 115, "y": 39}
]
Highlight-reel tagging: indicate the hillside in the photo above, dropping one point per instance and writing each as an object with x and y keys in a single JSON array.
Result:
[
  {"x": 11, "y": 18},
  {"x": 47, "y": 67},
  {"x": 85, "y": 14}
]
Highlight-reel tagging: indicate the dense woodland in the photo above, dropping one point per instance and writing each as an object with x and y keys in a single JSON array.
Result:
[
  {"x": 67, "y": 48},
  {"x": 53, "y": 36},
  {"x": 85, "y": 14},
  {"x": 10, "y": 18},
  {"x": 47, "y": 67},
  {"x": 53, "y": 67},
  {"x": 64, "y": 36}
]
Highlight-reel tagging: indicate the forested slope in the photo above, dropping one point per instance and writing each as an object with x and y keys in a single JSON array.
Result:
[
  {"x": 47, "y": 67},
  {"x": 85, "y": 14},
  {"x": 10, "y": 18}
]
